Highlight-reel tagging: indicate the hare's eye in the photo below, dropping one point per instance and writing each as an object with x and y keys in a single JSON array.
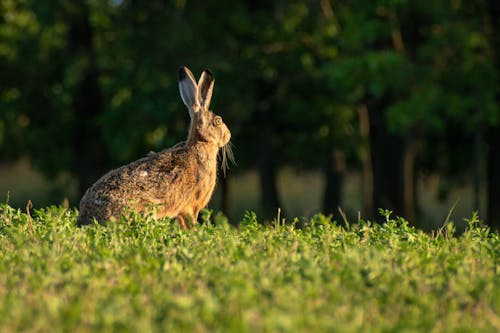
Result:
[{"x": 217, "y": 121}]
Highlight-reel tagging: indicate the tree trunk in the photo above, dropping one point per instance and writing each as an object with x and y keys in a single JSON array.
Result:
[
  {"x": 366, "y": 162},
  {"x": 264, "y": 117},
  {"x": 91, "y": 155},
  {"x": 394, "y": 163},
  {"x": 478, "y": 168},
  {"x": 267, "y": 173},
  {"x": 394, "y": 158},
  {"x": 493, "y": 176},
  {"x": 493, "y": 133},
  {"x": 386, "y": 156},
  {"x": 334, "y": 175},
  {"x": 409, "y": 179}
]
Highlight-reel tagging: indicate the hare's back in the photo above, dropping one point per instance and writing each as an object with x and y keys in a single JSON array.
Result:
[
  {"x": 105, "y": 197},
  {"x": 134, "y": 185}
]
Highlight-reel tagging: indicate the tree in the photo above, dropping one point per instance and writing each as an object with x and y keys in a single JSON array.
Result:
[
  {"x": 91, "y": 156},
  {"x": 393, "y": 88},
  {"x": 493, "y": 131}
]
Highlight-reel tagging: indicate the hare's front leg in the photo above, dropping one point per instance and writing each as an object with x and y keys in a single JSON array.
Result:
[
  {"x": 182, "y": 221},
  {"x": 186, "y": 221}
]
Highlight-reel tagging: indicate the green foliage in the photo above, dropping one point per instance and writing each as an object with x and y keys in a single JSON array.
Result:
[
  {"x": 427, "y": 65},
  {"x": 142, "y": 274},
  {"x": 291, "y": 75}
]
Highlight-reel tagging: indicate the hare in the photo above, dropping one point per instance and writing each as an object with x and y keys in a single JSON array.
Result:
[{"x": 177, "y": 182}]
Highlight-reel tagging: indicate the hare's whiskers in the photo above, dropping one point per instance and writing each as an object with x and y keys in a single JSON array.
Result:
[{"x": 227, "y": 156}]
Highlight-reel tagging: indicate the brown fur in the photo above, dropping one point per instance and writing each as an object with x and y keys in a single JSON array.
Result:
[{"x": 177, "y": 182}]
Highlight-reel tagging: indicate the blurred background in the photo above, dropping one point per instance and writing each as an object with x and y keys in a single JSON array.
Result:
[{"x": 358, "y": 104}]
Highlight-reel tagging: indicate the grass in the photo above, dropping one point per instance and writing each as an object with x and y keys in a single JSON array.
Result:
[{"x": 143, "y": 275}]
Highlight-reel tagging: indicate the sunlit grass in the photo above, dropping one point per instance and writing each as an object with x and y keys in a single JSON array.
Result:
[{"x": 306, "y": 276}]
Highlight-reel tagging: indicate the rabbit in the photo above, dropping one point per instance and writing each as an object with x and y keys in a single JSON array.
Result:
[{"x": 176, "y": 182}]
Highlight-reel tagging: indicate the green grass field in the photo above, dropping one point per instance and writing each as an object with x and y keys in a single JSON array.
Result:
[{"x": 142, "y": 275}]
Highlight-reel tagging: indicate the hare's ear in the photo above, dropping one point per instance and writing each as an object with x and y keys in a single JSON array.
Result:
[
  {"x": 205, "y": 88},
  {"x": 188, "y": 90}
]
